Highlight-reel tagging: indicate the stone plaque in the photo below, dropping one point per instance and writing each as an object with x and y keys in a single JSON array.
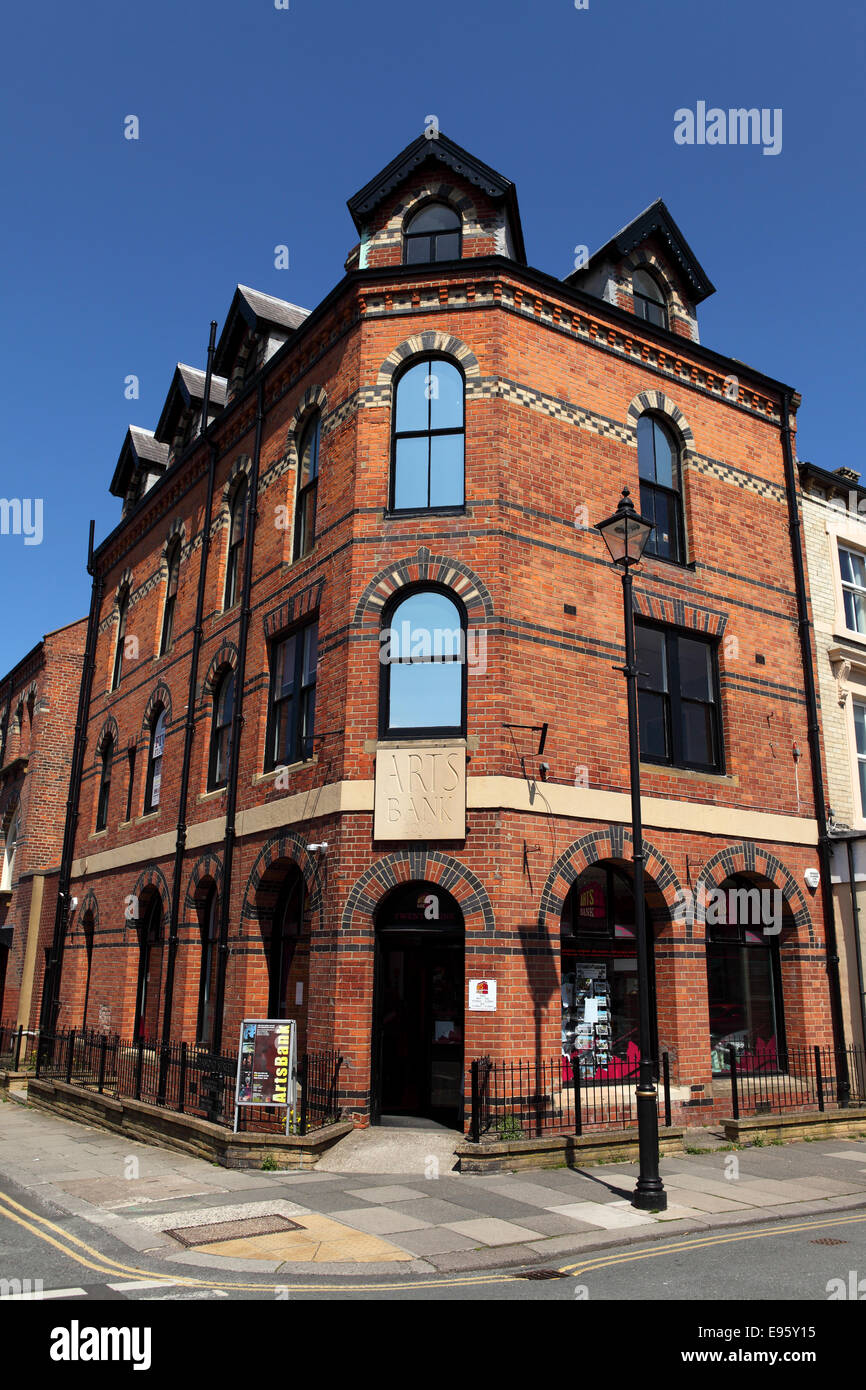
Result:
[{"x": 420, "y": 793}]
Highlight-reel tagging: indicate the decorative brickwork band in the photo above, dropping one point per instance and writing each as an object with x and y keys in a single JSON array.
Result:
[
  {"x": 612, "y": 843},
  {"x": 414, "y": 569},
  {"x": 431, "y": 341},
  {"x": 679, "y": 613},
  {"x": 285, "y": 845},
  {"x": 410, "y": 866},
  {"x": 749, "y": 858}
]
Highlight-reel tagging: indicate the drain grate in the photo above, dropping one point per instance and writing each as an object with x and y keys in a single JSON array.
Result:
[
  {"x": 828, "y": 1240},
  {"x": 541, "y": 1274},
  {"x": 232, "y": 1230}
]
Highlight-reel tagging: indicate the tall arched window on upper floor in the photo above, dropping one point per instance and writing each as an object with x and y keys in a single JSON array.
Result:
[
  {"x": 104, "y": 783},
  {"x": 153, "y": 785},
  {"x": 432, "y": 234},
  {"x": 7, "y": 869},
  {"x": 423, "y": 665},
  {"x": 221, "y": 730},
  {"x": 237, "y": 531},
  {"x": 427, "y": 452},
  {"x": 649, "y": 302},
  {"x": 173, "y": 561},
  {"x": 661, "y": 496},
  {"x": 122, "y": 614},
  {"x": 308, "y": 486}
]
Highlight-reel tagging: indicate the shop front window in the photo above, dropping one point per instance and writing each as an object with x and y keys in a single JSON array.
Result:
[
  {"x": 599, "y": 978},
  {"x": 743, "y": 982}
]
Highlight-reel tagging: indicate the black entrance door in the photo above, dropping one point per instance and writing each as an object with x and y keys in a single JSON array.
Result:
[{"x": 418, "y": 1031}]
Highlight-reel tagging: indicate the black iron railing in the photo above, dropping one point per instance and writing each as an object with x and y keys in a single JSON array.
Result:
[
  {"x": 17, "y": 1047},
  {"x": 799, "y": 1078},
  {"x": 519, "y": 1099},
  {"x": 186, "y": 1079}
]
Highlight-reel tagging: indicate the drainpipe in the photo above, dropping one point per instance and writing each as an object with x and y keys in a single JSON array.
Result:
[
  {"x": 189, "y": 727},
  {"x": 237, "y": 724},
  {"x": 858, "y": 950},
  {"x": 50, "y": 1006},
  {"x": 795, "y": 529}
]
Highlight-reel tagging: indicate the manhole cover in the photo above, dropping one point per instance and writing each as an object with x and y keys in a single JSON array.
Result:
[
  {"x": 233, "y": 1230},
  {"x": 542, "y": 1274},
  {"x": 828, "y": 1240}
]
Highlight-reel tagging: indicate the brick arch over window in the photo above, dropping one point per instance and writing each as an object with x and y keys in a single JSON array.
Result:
[
  {"x": 284, "y": 845},
  {"x": 431, "y": 341},
  {"x": 660, "y": 404},
  {"x": 647, "y": 260},
  {"x": 419, "y": 568},
  {"x": 153, "y": 877},
  {"x": 749, "y": 858},
  {"x": 226, "y": 656},
  {"x": 436, "y": 193},
  {"x": 409, "y": 866},
  {"x": 241, "y": 466},
  {"x": 662, "y": 608},
  {"x": 89, "y": 906},
  {"x": 160, "y": 696},
  {"x": 176, "y": 531},
  {"x": 207, "y": 867},
  {"x": 612, "y": 843},
  {"x": 108, "y": 730},
  {"x": 125, "y": 582},
  {"x": 314, "y": 398}
]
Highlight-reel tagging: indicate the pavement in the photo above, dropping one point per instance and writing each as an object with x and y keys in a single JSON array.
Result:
[{"x": 389, "y": 1201}]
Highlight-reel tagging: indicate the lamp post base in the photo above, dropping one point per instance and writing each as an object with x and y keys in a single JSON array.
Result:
[{"x": 649, "y": 1195}]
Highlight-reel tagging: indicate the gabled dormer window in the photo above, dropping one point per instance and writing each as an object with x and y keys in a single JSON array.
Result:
[
  {"x": 432, "y": 234},
  {"x": 649, "y": 302}
]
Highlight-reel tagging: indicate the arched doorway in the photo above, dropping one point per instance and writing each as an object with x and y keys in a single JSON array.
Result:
[
  {"x": 599, "y": 976},
  {"x": 149, "y": 968},
  {"x": 207, "y": 911},
  {"x": 417, "y": 1054},
  {"x": 281, "y": 903}
]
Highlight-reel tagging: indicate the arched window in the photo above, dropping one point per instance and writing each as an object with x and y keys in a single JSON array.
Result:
[
  {"x": 649, "y": 302},
  {"x": 11, "y": 845},
  {"x": 285, "y": 930},
  {"x": 149, "y": 971},
  {"x": 104, "y": 783},
  {"x": 122, "y": 612},
  {"x": 428, "y": 435},
  {"x": 221, "y": 730},
  {"x": 207, "y": 989},
  {"x": 433, "y": 234},
  {"x": 170, "y": 599},
  {"x": 237, "y": 530},
  {"x": 153, "y": 785},
  {"x": 423, "y": 689},
  {"x": 744, "y": 921},
  {"x": 308, "y": 487},
  {"x": 661, "y": 500}
]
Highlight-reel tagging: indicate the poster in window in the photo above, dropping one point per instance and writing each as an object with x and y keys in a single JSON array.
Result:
[{"x": 266, "y": 1073}]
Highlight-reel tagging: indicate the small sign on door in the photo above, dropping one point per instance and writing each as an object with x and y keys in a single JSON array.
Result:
[{"x": 482, "y": 996}]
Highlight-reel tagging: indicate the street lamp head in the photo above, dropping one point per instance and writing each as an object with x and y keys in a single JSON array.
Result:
[{"x": 625, "y": 533}]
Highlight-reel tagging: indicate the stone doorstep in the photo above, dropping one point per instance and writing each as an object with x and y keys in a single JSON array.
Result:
[
  {"x": 795, "y": 1126},
  {"x": 188, "y": 1133},
  {"x": 556, "y": 1150},
  {"x": 15, "y": 1081}
]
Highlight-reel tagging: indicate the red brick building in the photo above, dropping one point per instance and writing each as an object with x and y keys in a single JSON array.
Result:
[
  {"x": 331, "y": 628},
  {"x": 38, "y": 700}
]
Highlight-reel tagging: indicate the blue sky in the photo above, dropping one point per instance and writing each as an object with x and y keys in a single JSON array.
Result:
[{"x": 256, "y": 125}]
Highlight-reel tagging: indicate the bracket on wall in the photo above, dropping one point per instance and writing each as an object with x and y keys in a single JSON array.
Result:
[{"x": 540, "y": 729}]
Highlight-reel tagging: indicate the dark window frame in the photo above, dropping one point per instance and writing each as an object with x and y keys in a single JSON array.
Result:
[
  {"x": 122, "y": 615},
  {"x": 209, "y": 953},
  {"x": 239, "y": 507},
  {"x": 673, "y": 700},
  {"x": 283, "y": 945},
  {"x": 308, "y": 494},
  {"x": 404, "y": 732},
  {"x": 300, "y": 697},
  {"x": 158, "y": 714},
  {"x": 173, "y": 560},
  {"x": 130, "y": 756},
  {"x": 643, "y": 303},
  {"x": 432, "y": 237},
  {"x": 649, "y": 489},
  {"x": 104, "y": 784},
  {"x": 428, "y": 434},
  {"x": 718, "y": 934},
  {"x": 216, "y": 740}
]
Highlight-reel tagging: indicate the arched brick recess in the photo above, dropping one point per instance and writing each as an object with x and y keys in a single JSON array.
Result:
[
  {"x": 749, "y": 858},
  {"x": 407, "y": 866},
  {"x": 89, "y": 904},
  {"x": 441, "y": 569},
  {"x": 433, "y": 340},
  {"x": 661, "y": 404},
  {"x": 285, "y": 844},
  {"x": 160, "y": 696},
  {"x": 226, "y": 656},
  {"x": 153, "y": 877},
  {"x": 108, "y": 730},
  {"x": 591, "y": 849},
  {"x": 241, "y": 465},
  {"x": 208, "y": 866}
]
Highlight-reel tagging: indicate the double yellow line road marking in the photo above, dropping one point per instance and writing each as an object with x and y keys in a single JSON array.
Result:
[{"x": 90, "y": 1258}]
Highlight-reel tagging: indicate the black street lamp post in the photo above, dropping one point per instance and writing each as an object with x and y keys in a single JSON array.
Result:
[{"x": 625, "y": 534}]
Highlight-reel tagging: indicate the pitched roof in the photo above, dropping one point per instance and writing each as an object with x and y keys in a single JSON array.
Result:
[
  {"x": 186, "y": 389},
  {"x": 257, "y": 311},
  {"x": 141, "y": 449},
  {"x": 446, "y": 152},
  {"x": 654, "y": 220}
]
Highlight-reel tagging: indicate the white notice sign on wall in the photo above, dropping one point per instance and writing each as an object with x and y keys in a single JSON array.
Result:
[{"x": 482, "y": 996}]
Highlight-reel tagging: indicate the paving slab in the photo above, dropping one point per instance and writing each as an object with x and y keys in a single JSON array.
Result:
[
  {"x": 384, "y": 1195},
  {"x": 531, "y": 1194},
  {"x": 706, "y": 1201},
  {"x": 490, "y": 1230},
  {"x": 433, "y": 1241},
  {"x": 611, "y": 1215},
  {"x": 379, "y": 1221}
]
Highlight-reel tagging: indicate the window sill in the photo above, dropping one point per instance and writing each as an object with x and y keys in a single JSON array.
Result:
[
  {"x": 209, "y": 796},
  {"x": 689, "y": 774},
  {"x": 285, "y": 767},
  {"x": 407, "y": 513},
  {"x": 98, "y": 834},
  {"x": 690, "y": 565},
  {"x": 148, "y": 815},
  {"x": 468, "y": 741}
]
